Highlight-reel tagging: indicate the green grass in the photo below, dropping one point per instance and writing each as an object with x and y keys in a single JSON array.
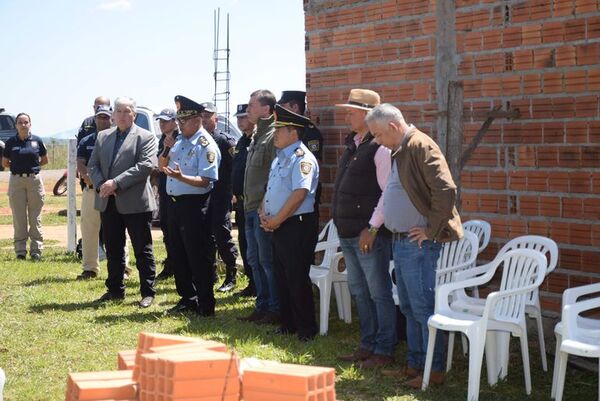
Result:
[{"x": 49, "y": 327}]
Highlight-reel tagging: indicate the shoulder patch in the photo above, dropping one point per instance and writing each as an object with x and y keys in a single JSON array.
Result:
[
  {"x": 232, "y": 151},
  {"x": 203, "y": 141},
  {"x": 313, "y": 145},
  {"x": 299, "y": 152},
  {"x": 210, "y": 156},
  {"x": 305, "y": 167}
]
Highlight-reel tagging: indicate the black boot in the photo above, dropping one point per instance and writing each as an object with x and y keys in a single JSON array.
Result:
[
  {"x": 249, "y": 291},
  {"x": 166, "y": 272},
  {"x": 229, "y": 283}
]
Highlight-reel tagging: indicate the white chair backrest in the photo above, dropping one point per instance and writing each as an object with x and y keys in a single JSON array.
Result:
[
  {"x": 462, "y": 252},
  {"x": 537, "y": 243},
  {"x": 521, "y": 269},
  {"x": 328, "y": 242},
  {"x": 482, "y": 229}
]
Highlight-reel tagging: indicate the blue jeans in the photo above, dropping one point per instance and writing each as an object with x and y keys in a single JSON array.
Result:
[
  {"x": 260, "y": 257},
  {"x": 371, "y": 286},
  {"x": 415, "y": 278}
]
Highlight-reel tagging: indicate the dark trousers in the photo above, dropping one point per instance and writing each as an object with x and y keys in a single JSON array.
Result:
[
  {"x": 191, "y": 245},
  {"x": 240, "y": 220},
  {"x": 293, "y": 250},
  {"x": 138, "y": 225},
  {"x": 163, "y": 215},
  {"x": 220, "y": 224}
]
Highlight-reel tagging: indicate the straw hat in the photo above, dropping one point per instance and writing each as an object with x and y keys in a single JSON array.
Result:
[{"x": 363, "y": 99}]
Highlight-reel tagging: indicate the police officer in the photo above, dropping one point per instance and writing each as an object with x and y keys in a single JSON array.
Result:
[
  {"x": 168, "y": 126},
  {"x": 88, "y": 126},
  {"x": 312, "y": 138},
  {"x": 288, "y": 211},
  {"x": 220, "y": 198},
  {"x": 237, "y": 184},
  {"x": 191, "y": 165},
  {"x": 25, "y": 153}
]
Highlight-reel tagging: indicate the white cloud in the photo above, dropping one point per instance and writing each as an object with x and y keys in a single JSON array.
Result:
[{"x": 114, "y": 5}]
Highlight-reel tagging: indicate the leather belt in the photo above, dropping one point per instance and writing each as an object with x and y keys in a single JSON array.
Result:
[
  {"x": 25, "y": 174},
  {"x": 399, "y": 236}
]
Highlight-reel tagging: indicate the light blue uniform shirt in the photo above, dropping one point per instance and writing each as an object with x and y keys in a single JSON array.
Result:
[
  {"x": 293, "y": 168},
  {"x": 196, "y": 156}
]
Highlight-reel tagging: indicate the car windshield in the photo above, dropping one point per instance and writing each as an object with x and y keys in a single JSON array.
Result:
[
  {"x": 6, "y": 123},
  {"x": 142, "y": 121}
]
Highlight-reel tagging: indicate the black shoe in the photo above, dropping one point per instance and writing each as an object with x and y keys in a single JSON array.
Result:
[
  {"x": 270, "y": 318},
  {"x": 146, "y": 302},
  {"x": 283, "y": 331},
  {"x": 181, "y": 308},
  {"x": 249, "y": 291},
  {"x": 21, "y": 257},
  {"x": 109, "y": 296},
  {"x": 164, "y": 274},
  {"x": 205, "y": 312},
  {"x": 306, "y": 337},
  {"x": 228, "y": 285},
  {"x": 86, "y": 275},
  {"x": 36, "y": 257}
]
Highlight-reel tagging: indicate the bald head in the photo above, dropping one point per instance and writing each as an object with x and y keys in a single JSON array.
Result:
[{"x": 101, "y": 100}]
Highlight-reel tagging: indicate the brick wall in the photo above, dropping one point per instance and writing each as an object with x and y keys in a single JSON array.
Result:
[{"x": 538, "y": 174}]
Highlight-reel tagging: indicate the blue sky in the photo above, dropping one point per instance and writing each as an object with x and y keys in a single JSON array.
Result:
[{"x": 58, "y": 55}]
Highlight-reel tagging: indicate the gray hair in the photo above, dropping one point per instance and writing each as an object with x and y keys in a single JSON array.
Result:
[
  {"x": 125, "y": 101},
  {"x": 383, "y": 114}
]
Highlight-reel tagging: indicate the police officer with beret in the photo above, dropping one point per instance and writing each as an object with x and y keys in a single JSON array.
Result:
[
  {"x": 25, "y": 153},
  {"x": 238, "y": 168},
  {"x": 191, "y": 164},
  {"x": 220, "y": 199},
  {"x": 167, "y": 121},
  {"x": 288, "y": 210}
]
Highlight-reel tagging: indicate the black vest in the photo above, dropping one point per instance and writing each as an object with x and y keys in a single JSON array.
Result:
[{"x": 356, "y": 191}]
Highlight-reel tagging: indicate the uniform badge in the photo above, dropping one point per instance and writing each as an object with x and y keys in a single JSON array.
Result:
[
  {"x": 210, "y": 156},
  {"x": 299, "y": 152},
  {"x": 34, "y": 144},
  {"x": 203, "y": 141},
  {"x": 314, "y": 145},
  {"x": 305, "y": 167},
  {"x": 232, "y": 151}
]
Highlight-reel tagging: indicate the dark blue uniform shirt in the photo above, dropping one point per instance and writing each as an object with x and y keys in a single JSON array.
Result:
[
  {"x": 238, "y": 169},
  {"x": 24, "y": 155},
  {"x": 162, "y": 177},
  {"x": 226, "y": 144},
  {"x": 85, "y": 149}
]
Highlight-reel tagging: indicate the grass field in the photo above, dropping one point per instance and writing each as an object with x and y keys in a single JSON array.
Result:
[{"x": 49, "y": 327}]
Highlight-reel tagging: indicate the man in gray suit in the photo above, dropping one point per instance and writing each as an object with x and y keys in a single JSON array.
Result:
[{"x": 119, "y": 167}]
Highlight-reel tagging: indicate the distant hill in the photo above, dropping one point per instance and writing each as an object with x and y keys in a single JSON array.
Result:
[{"x": 63, "y": 135}]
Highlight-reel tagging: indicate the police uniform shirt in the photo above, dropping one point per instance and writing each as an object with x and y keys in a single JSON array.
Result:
[
  {"x": 226, "y": 144},
  {"x": 240, "y": 155},
  {"x": 313, "y": 140},
  {"x": 84, "y": 151},
  {"x": 294, "y": 167},
  {"x": 196, "y": 156},
  {"x": 25, "y": 154},
  {"x": 88, "y": 126}
]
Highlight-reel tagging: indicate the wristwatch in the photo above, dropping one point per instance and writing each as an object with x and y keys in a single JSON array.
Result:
[{"x": 373, "y": 230}]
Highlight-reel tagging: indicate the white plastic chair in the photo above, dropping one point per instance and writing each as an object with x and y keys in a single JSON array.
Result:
[
  {"x": 576, "y": 340},
  {"x": 392, "y": 272},
  {"x": 2, "y": 381},
  {"x": 570, "y": 297},
  {"x": 545, "y": 246},
  {"x": 482, "y": 229},
  {"x": 522, "y": 271},
  {"x": 456, "y": 256},
  {"x": 326, "y": 275}
]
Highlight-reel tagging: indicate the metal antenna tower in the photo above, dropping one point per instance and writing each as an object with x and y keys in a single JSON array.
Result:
[{"x": 221, "y": 74}]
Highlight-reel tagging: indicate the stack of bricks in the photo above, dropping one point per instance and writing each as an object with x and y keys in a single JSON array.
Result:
[
  {"x": 272, "y": 381},
  {"x": 108, "y": 385},
  {"x": 538, "y": 174}
]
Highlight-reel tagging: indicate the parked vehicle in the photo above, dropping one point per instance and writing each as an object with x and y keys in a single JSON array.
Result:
[{"x": 7, "y": 130}]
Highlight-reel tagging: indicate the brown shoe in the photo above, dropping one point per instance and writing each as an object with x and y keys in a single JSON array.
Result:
[
  {"x": 253, "y": 317},
  {"x": 377, "y": 361},
  {"x": 359, "y": 355},
  {"x": 269, "y": 318},
  {"x": 434, "y": 378},
  {"x": 405, "y": 372}
]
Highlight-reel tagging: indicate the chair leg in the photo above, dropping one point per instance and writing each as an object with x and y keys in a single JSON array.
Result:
[
  {"x": 324, "y": 301},
  {"x": 540, "y": 329},
  {"x": 346, "y": 302},
  {"x": 476, "y": 348},
  {"x": 525, "y": 356},
  {"x": 429, "y": 357},
  {"x": 560, "y": 376},
  {"x": 338, "y": 299},
  {"x": 450, "y": 351},
  {"x": 555, "y": 370},
  {"x": 465, "y": 345}
]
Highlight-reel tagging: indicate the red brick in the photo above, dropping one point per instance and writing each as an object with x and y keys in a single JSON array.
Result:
[
  {"x": 566, "y": 56},
  {"x": 590, "y": 156},
  {"x": 572, "y": 207},
  {"x": 558, "y": 282},
  {"x": 588, "y": 54},
  {"x": 591, "y": 208},
  {"x": 580, "y": 234},
  {"x": 563, "y": 107},
  {"x": 511, "y": 37},
  {"x": 575, "y": 81},
  {"x": 520, "y": 12},
  {"x": 492, "y": 40},
  {"x": 558, "y": 182},
  {"x": 553, "y": 82},
  {"x": 540, "y": 9},
  {"x": 577, "y": 132},
  {"x": 575, "y": 30},
  {"x": 517, "y": 181},
  {"x": 559, "y": 232},
  {"x": 564, "y": 8},
  {"x": 537, "y": 181},
  {"x": 523, "y": 59},
  {"x": 529, "y": 205},
  {"x": 531, "y": 34},
  {"x": 553, "y": 31},
  {"x": 580, "y": 182},
  {"x": 542, "y": 58},
  {"x": 532, "y": 84},
  {"x": 586, "y": 106},
  {"x": 585, "y": 6},
  {"x": 511, "y": 85},
  {"x": 593, "y": 27},
  {"x": 547, "y": 156},
  {"x": 550, "y": 206},
  {"x": 569, "y": 156}
]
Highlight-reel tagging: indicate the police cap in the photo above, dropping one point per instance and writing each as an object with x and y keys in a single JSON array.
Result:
[
  {"x": 286, "y": 118},
  {"x": 288, "y": 96},
  {"x": 209, "y": 107},
  {"x": 187, "y": 107},
  {"x": 242, "y": 110}
]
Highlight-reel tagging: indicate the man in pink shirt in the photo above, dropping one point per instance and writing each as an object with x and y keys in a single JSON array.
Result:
[{"x": 362, "y": 176}]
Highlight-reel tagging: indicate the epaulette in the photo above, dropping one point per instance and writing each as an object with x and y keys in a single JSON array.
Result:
[
  {"x": 203, "y": 141},
  {"x": 299, "y": 152}
]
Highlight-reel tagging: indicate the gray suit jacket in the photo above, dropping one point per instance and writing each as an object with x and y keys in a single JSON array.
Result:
[{"x": 131, "y": 169}]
